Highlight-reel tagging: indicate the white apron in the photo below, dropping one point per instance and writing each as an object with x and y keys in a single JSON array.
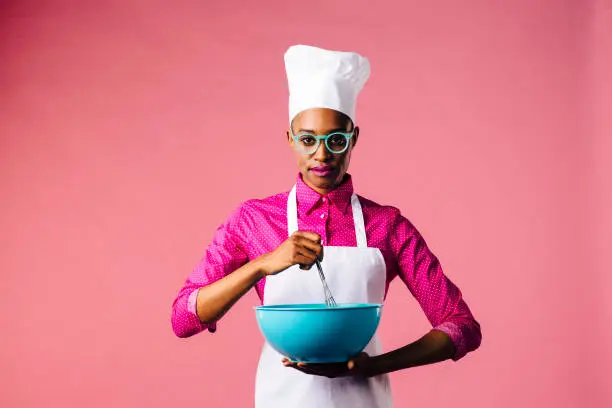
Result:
[{"x": 354, "y": 275}]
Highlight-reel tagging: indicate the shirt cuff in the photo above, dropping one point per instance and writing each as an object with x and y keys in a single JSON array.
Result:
[
  {"x": 453, "y": 331},
  {"x": 192, "y": 308}
]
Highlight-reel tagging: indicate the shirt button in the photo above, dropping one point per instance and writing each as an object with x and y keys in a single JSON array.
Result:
[
  {"x": 324, "y": 199},
  {"x": 322, "y": 215}
]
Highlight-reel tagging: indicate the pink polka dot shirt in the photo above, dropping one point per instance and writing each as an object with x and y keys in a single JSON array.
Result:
[{"x": 258, "y": 226}]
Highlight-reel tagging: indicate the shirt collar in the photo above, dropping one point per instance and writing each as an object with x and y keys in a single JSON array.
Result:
[{"x": 339, "y": 197}]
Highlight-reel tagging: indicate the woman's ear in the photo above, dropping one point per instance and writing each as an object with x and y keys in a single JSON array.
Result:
[{"x": 355, "y": 135}]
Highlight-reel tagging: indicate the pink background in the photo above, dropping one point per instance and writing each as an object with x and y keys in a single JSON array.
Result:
[{"x": 130, "y": 129}]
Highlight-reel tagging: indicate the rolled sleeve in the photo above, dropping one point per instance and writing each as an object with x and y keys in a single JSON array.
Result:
[
  {"x": 453, "y": 331},
  {"x": 226, "y": 253},
  {"x": 439, "y": 298}
]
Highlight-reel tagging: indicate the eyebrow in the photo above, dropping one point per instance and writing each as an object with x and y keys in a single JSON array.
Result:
[{"x": 340, "y": 129}]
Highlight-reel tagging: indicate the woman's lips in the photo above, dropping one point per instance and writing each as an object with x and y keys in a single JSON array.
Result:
[{"x": 322, "y": 171}]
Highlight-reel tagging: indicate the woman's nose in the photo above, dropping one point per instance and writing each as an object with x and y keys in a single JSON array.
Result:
[{"x": 322, "y": 154}]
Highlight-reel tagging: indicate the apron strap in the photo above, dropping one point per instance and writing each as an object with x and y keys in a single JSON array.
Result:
[
  {"x": 292, "y": 219},
  {"x": 360, "y": 232}
]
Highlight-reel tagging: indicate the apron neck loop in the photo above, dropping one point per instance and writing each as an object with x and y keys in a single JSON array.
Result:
[{"x": 360, "y": 233}]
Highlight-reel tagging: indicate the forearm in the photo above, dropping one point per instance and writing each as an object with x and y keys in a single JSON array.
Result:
[
  {"x": 214, "y": 300},
  {"x": 433, "y": 347}
]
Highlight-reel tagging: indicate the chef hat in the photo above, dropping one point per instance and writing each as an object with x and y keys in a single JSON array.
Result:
[{"x": 321, "y": 78}]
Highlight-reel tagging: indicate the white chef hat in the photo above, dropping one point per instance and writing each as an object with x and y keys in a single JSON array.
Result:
[{"x": 320, "y": 78}]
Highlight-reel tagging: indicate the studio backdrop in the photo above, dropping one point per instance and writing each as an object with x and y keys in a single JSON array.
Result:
[{"x": 129, "y": 130}]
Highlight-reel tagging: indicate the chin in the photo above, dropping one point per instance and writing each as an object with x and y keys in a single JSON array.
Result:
[
  {"x": 324, "y": 182},
  {"x": 329, "y": 182}
]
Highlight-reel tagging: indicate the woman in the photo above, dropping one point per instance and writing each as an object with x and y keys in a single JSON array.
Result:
[{"x": 270, "y": 244}]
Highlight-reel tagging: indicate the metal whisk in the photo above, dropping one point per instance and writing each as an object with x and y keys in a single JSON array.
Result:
[{"x": 329, "y": 298}]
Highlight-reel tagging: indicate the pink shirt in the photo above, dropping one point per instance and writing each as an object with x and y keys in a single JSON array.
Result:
[{"x": 258, "y": 226}]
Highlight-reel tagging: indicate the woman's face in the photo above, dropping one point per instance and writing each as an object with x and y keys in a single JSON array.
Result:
[{"x": 322, "y": 170}]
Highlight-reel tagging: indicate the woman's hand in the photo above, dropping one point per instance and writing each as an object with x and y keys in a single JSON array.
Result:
[
  {"x": 301, "y": 248},
  {"x": 358, "y": 366}
]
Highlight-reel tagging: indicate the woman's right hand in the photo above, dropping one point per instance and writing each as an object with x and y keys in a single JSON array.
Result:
[{"x": 302, "y": 248}]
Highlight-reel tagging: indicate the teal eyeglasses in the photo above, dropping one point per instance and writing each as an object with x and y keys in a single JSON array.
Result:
[{"x": 336, "y": 142}]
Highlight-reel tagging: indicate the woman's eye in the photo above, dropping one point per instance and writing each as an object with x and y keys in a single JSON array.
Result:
[
  {"x": 307, "y": 140},
  {"x": 338, "y": 140}
]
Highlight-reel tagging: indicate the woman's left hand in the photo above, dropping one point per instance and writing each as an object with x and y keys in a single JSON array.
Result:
[{"x": 358, "y": 366}]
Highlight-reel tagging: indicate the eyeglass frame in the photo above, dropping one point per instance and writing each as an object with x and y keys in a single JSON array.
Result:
[{"x": 347, "y": 135}]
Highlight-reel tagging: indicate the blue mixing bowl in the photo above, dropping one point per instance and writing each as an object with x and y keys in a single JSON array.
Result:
[{"x": 315, "y": 333}]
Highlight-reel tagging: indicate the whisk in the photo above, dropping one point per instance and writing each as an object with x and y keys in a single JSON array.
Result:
[{"x": 329, "y": 298}]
